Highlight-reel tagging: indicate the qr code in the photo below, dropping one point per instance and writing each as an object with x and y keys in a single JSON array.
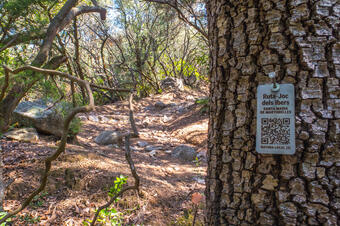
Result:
[{"x": 275, "y": 131}]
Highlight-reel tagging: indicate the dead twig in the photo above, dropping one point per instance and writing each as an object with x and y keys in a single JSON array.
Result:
[{"x": 131, "y": 118}]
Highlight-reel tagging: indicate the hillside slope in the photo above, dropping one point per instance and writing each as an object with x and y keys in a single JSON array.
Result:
[{"x": 80, "y": 178}]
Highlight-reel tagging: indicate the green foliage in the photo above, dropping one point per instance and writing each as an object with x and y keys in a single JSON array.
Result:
[
  {"x": 186, "y": 219},
  {"x": 38, "y": 200},
  {"x": 2, "y": 214},
  {"x": 197, "y": 161},
  {"x": 202, "y": 101},
  {"x": 118, "y": 185},
  {"x": 205, "y": 104},
  {"x": 111, "y": 216},
  {"x": 29, "y": 219},
  {"x": 64, "y": 108},
  {"x": 22, "y": 7}
]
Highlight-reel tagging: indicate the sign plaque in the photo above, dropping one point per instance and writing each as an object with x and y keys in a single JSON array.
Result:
[{"x": 275, "y": 124}]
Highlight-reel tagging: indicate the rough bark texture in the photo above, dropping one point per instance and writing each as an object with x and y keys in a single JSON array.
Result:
[{"x": 299, "y": 39}]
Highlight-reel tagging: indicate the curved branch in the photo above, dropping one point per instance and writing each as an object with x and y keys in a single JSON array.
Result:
[
  {"x": 62, "y": 145},
  {"x": 62, "y": 74},
  {"x": 22, "y": 38},
  {"x": 66, "y": 14}
]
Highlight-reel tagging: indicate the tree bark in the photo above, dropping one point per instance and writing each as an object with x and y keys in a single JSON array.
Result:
[{"x": 299, "y": 40}]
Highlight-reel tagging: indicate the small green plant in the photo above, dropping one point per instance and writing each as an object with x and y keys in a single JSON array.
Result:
[
  {"x": 118, "y": 185},
  {"x": 205, "y": 104},
  {"x": 28, "y": 218},
  {"x": 2, "y": 214},
  {"x": 38, "y": 200},
  {"x": 111, "y": 215},
  {"x": 197, "y": 161}
]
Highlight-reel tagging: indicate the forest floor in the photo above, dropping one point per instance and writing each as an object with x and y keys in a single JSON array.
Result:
[{"x": 81, "y": 177}]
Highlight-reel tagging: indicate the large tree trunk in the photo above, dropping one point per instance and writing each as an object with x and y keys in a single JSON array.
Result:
[{"x": 300, "y": 41}]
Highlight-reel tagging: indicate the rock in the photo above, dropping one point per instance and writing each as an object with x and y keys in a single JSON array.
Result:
[
  {"x": 160, "y": 105},
  {"x": 45, "y": 120},
  {"x": 153, "y": 148},
  {"x": 93, "y": 118},
  {"x": 184, "y": 152},
  {"x": 103, "y": 118},
  {"x": 166, "y": 118},
  {"x": 23, "y": 134},
  {"x": 133, "y": 148},
  {"x": 199, "y": 180},
  {"x": 108, "y": 137},
  {"x": 153, "y": 153},
  {"x": 142, "y": 144},
  {"x": 172, "y": 83}
]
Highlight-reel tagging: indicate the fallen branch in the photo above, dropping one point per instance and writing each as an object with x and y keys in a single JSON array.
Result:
[{"x": 133, "y": 187}]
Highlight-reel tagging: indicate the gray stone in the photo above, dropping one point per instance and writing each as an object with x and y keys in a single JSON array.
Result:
[
  {"x": 108, "y": 137},
  {"x": 103, "y": 118},
  {"x": 23, "y": 134},
  {"x": 184, "y": 152},
  {"x": 142, "y": 144},
  {"x": 153, "y": 148},
  {"x": 172, "y": 83},
  {"x": 93, "y": 118},
  {"x": 38, "y": 115}
]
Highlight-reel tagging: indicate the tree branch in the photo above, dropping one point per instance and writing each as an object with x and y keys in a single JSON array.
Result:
[
  {"x": 66, "y": 14},
  {"x": 174, "y": 4},
  {"x": 22, "y": 38},
  {"x": 62, "y": 145},
  {"x": 63, "y": 75}
]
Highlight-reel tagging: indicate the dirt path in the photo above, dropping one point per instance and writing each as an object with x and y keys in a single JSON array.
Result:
[{"x": 81, "y": 177}]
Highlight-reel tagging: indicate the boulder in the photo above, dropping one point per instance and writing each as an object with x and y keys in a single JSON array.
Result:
[
  {"x": 108, "y": 137},
  {"x": 23, "y": 134},
  {"x": 170, "y": 83},
  {"x": 48, "y": 120},
  {"x": 184, "y": 152}
]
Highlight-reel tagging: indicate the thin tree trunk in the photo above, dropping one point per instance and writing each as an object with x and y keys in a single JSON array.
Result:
[
  {"x": 299, "y": 40},
  {"x": 78, "y": 70}
]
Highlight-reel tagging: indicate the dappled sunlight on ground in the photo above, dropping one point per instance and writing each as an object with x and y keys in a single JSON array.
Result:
[{"x": 80, "y": 178}]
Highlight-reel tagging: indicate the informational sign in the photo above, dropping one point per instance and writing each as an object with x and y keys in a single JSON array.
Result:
[{"x": 275, "y": 129}]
